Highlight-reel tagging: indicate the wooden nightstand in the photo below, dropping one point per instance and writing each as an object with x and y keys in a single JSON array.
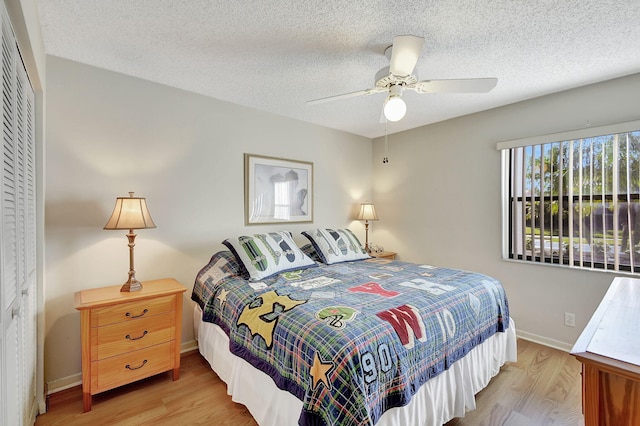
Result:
[
  {"x": 384, "y": 255},
  {"x": 129, "y": 336}
]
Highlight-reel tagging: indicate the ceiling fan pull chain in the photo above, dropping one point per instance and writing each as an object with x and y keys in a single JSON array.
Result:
[{"x": 385, "y": 159}]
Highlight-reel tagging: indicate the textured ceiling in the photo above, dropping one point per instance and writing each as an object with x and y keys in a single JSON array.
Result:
[{"x": 276, "y": 55}]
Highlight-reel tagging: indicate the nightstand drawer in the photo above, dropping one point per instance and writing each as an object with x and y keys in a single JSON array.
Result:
[
  {"x": 131, "y": 310},
  {"x": 122, "y": 369},
  {"x": 116, "y": 339}
]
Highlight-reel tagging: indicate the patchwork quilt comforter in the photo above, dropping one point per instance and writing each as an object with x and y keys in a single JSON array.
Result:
[{"x": 353, "y": 339}]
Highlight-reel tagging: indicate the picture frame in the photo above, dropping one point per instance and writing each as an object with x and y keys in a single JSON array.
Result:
[{"x": 277, "y": 190}]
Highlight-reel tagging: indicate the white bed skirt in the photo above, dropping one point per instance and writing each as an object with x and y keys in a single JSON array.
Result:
[{"x": 448, "y": 395}]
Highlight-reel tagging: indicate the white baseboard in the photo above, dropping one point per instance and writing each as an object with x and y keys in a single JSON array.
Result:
[
  {"x": 68, "y": 382},
  {"x": 188, "y": 346},
  {"x": 552, "y": 343},
  {"x": 64, "y": 383}
]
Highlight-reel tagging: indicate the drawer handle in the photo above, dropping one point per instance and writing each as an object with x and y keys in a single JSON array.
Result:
[
  {"x": 137, "y": 316},
  {"x": 129, "y": 367},
  {"x": 128, "y": 336}
]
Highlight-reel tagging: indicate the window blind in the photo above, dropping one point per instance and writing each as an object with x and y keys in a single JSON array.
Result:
[{"x": 574, "y": 201}]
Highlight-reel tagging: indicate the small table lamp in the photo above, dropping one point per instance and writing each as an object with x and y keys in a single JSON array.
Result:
[
  {"x": 367, "y": 213},
  {"x": 130, "y": 213}
]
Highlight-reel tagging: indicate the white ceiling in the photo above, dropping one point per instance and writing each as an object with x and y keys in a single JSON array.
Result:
[{"x": 276, "y": 55}]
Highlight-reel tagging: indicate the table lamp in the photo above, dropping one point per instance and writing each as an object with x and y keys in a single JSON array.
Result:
[
  {"x": 130, "y": 213},
  {"x": 367, "y": 213}
]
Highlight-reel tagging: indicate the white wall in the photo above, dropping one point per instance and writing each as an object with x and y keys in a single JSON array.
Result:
[
  {"x": 108, "y": 134},
  {"x": 446, "y": 178}
]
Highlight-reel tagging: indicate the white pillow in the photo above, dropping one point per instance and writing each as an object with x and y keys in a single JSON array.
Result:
[
  {"x": 336, "y": 245},
  {"x": 267, "y": 254}
]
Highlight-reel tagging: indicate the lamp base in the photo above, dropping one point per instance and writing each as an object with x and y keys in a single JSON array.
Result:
[
  {"x": 131, "y": 285},
  {"x": 366, "y": 236}
]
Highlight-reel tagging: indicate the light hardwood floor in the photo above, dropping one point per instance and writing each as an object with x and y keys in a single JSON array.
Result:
[{"x": 542, "y": 388}]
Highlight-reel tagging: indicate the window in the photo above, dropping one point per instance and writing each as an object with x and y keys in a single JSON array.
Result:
[{"x": 574, "y": 200}]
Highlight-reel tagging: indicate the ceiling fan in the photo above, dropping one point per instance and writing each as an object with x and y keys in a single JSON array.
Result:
[{"x": 399, "y": 76}]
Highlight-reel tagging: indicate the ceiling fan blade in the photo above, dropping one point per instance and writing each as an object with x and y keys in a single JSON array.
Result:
[
  {"x": 464, "y": 85},
  {"x": 404, "y": 54},
  {"x": 347, "y": 95}
]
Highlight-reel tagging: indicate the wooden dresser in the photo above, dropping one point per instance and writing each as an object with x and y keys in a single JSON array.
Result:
[
  {"x": 129, "y": 336},
  {"x": 609, "y": 349}
]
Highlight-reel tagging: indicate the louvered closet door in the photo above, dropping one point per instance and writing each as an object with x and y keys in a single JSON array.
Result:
[
  {"x": 26, "y": 242},
  {"x": 11, "y": 391},
  {"x": 18, "y": 297}
]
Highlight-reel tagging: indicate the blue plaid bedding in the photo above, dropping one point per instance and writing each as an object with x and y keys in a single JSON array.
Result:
[{"x": 353, "y": 339}]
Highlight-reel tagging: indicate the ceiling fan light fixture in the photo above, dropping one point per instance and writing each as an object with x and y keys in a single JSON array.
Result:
[
  {"x": 401, "y": 75},
  {"x": 394, "y": 108}
]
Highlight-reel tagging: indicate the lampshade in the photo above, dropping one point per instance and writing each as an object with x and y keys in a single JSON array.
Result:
[
  {"x": 367, "y": 212},
  {"x": 130, "y": 213}
]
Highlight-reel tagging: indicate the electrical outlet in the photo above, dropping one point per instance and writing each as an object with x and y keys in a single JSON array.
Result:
[{"x": 569, "y": 319}]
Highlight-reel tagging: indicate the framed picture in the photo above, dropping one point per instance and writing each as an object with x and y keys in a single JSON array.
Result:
[{"x": 277, "y": 190}]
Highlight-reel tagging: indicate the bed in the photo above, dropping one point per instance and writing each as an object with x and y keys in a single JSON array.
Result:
[{"x": 360, "y": 341}]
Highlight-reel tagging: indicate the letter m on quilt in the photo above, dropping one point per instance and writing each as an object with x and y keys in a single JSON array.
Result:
[{"x": 402, "y": 319}]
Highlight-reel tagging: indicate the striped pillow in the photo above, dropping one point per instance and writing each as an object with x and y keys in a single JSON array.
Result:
[
  {"x": 264, "y": 255},
  {"x": 334, "y": 246}
]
